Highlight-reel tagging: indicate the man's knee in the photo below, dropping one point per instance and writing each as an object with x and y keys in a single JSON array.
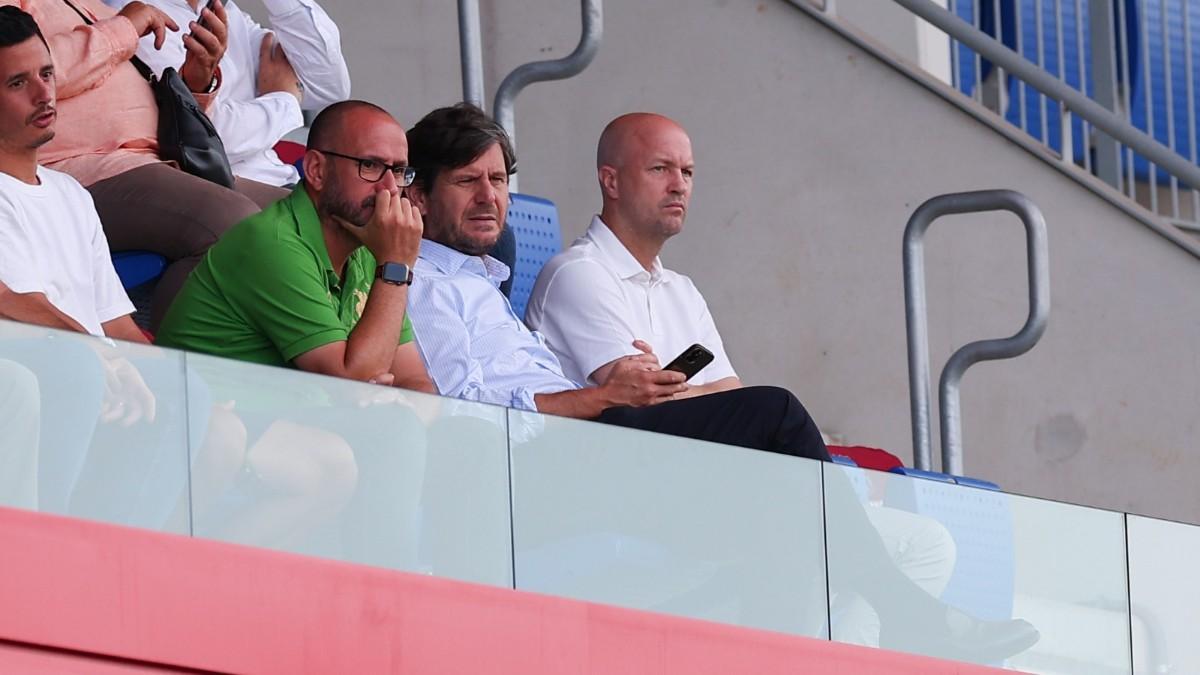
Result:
[
  {"x": 228, "y": 209},
  {"x": 779, "y": 402}
]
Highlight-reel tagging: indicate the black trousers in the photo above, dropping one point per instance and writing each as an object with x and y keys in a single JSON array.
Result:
[{"x": 763, "y": 418}]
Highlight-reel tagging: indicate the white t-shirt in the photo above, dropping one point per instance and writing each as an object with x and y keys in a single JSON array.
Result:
[
  {"x": 594, "y": 299},
  {"x": 51, "y": 242}
]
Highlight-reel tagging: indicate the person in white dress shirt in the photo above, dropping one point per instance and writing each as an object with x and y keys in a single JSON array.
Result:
[{"x": 269, "y": 76}]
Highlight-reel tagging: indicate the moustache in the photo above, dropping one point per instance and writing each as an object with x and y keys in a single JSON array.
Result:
[
  {"x": 42, "y": 110},
  {"x": 493, "y": 212}
]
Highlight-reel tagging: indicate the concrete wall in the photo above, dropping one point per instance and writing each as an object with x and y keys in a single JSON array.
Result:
[{"x": 812, "y": 155}]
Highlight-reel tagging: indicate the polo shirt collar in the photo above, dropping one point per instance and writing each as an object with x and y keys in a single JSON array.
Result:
[
  {"x": 449, "y": 262},
  {"x": 308, "y": 226},
  {"x": 621, "y": 260}
]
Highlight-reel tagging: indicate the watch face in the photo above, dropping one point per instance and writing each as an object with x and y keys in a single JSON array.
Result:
[{"x": 394, "y": 273}]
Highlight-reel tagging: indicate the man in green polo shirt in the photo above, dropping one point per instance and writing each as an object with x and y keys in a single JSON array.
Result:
[{"x": 318, "y": 280}]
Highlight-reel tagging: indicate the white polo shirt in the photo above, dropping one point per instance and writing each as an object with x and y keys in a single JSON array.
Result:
[
  {"x": 51, "y": 242},
  {"x": 594, "y": 299}
]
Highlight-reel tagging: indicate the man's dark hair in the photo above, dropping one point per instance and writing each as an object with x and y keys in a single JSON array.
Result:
[
  {"x": 327, "y": 122},
  {"x": 17, "y": 26},
  {"x": 455, "y": 136}
]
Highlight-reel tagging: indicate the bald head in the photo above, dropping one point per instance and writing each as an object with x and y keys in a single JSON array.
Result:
[
  {"x": 626, "y": 133},
  {"x": 343, "y": 118},
  {"x": 644, "y": 165}
]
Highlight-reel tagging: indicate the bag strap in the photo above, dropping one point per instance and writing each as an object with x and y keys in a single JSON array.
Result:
[{"x": 141, "y": 66}]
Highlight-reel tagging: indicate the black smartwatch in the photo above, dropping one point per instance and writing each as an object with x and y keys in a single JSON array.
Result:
[{"x": 394, "y": 273}]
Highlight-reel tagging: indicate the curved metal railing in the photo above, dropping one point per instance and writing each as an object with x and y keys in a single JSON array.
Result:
[
  {"x": 556, "y": 69},
  {"x": 916, "y": 317}
]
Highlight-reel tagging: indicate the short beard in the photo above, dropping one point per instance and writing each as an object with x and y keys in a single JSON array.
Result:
[
  {"x": 333, "y": 203},
  {"x": 453, "y": 237},
  {"x": 42, "y": 140},
  {"x": 464, "y": 245}
]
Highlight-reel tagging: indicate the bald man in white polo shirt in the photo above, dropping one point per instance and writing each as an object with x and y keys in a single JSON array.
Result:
[
  {"x": 609, "y": 296},
  {"x": 609, "y": 290}
]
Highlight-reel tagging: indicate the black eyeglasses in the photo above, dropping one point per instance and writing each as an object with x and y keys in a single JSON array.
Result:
[{"x": 372, "y": 170}]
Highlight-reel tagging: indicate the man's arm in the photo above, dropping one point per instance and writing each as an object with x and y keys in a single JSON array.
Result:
[
  {"x": 35, "y": 308},
  {"x": 602, "y": 374},
  {"x": 631, "y": 381},
  {"x": 85, "y": 56},
  {"x": 371, "y": 346},
  {"x": 248, "y": 126},
  {"x": 723, "y": 384},
  {"x": 313, "y": 45},
  {"x": 123, "y": 328},
  {"x": 409, "y": 371},
  {"x": 580, "y": 308},
  {"x": 393, "y": 234}
]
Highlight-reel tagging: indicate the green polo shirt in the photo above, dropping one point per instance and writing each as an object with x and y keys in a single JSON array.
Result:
[{"x": 267, "y": 292}]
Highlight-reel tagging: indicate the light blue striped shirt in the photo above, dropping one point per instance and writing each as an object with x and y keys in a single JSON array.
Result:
[{"x": 473, "y": 345}]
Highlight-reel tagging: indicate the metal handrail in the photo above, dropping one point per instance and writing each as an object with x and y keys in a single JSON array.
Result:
[
  {"x": 470, "y": 48},
  {"x": 556, "y": 69},
  {"x": 915, "y": 311},
  {"x": 1093, "y": 112}
]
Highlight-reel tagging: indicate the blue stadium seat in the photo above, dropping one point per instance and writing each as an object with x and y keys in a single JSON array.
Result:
[
  {"x": 534, "y": 224},
  {"x": 928, "y": 475},
  {"x": 138, "y": 267},
  {"x": 976, "y": 483}
]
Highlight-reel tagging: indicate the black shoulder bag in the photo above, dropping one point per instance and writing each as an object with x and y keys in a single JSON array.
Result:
[{"x": 185, "y": 134}]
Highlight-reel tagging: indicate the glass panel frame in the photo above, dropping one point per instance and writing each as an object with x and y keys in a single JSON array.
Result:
[
  {"x": 992, "y": 555},
  {"x": 351, "y": 471},
  {"x": 667, "y": 524},
  {"x": 1163, "y": 591},
  {"x": 111, "y": 428}
]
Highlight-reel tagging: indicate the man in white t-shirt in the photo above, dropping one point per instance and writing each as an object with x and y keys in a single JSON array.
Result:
[
  {"x": 268, "y": 76},
  {"x": 55, "y": 266}
]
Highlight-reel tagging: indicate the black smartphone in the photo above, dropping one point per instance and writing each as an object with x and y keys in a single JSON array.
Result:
[
  {"x": 691, "y": 361},
  {"x": 207, "y": 5}
]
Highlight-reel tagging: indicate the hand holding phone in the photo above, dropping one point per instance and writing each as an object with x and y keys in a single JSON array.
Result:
[{"x": 691, "y": 361}]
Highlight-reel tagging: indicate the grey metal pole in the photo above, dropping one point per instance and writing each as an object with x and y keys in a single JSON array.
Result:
[
  {"x": 470, "y": 49},
  {"x": 542, "y": 71},
  {"x": 970, "y": 354},
  {"x": 1095, "y": 113},
  {"x": 916, "y": 321}
]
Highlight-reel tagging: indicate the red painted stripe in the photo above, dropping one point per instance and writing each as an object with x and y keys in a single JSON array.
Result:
[{"x": 147, "y": 598}]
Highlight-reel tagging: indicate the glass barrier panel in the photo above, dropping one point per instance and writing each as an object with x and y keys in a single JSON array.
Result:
[
  {"x": 93, "y": 430},
  {"x": 902, "y": 550},
  {"x": 1164, "y": 592},
  {"x": 666, "y": 524},
  {"x": 346, "y": 470}
]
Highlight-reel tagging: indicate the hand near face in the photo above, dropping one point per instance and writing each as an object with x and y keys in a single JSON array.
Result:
[
  {"x": 393, "y": 233},
  {"x": 205, "y": 46}
]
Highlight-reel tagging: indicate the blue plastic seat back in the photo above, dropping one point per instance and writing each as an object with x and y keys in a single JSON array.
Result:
[
  {"x": 981, "y": 523},
  {"x": 534, "y": 224},
  {"x": 138, "y": 267}
]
